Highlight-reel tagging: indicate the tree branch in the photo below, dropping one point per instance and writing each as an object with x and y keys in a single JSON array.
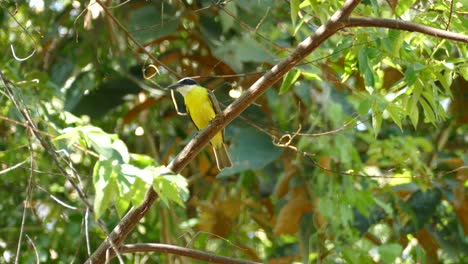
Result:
[
  {"x": 128, "y": 222},
  {"x": 180, "y": 251},
  {"x": 404, "y": 25}
]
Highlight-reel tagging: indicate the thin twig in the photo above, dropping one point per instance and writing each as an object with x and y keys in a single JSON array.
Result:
[
  {"x": 12, "y": 167},
  {"x": 55, "y": 198},
  {"x": 27, "y": 33},
  {"x": 88, "y": 243},
  {"x": 261, "y": 20},
  {"x": 35, "y": 249},
  {"x": 404, "y": 25},
  {"x": 450, "y": 15},
  {"x": 26, "y": 202},
  {"x": 181, "y": 251}
]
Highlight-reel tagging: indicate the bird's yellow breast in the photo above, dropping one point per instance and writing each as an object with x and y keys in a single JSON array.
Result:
[{"x": 200, "y": 108}]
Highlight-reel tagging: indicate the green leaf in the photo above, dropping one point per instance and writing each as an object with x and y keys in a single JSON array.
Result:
[
  {"x": 122, "y": 205},
  {"x": 396, "y": 113},
  {"x": 171, "y": 187},
  {"x": 428, "y": 112},
  {"x": 120, "y": 147},
  {"x": 100, "y": 141},
  {"x": 139, "y": 189},
  {"x": 411, "y": 73},
  {"x": 389, "y": 252},
  {"x": 104, "y": 185},
  {"x": 227, "y": 20},
  {"x": 125, "y": 178},
  {"x": 386, "y": 207},
  {"x": 402, "y": 6},
  {"x": 366, "y": 69},
  {"x": 294, "y": 10},
  {"x": 311, "y": 76},
  {"x": 290, "y": 78},
  {"x": 364, "y": 106},
  {"x": 141, "y": 160},
  {"x": 412, "y": 104}
]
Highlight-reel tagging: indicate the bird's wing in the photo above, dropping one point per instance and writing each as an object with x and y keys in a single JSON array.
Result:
[{"x": 215, "y": 104}]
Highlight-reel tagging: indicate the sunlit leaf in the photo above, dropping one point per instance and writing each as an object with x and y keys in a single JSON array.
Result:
[
  {"x": 288, "y": 80},
  {"x": 105, "y": 186}
]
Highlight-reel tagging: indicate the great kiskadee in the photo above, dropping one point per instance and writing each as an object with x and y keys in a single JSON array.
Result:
[{"x": 202, "y": 106}]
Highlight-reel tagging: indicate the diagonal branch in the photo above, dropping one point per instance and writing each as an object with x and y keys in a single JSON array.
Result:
[
  {"x": 128, "y": 222},
  {"x": 404, "y": 25}
]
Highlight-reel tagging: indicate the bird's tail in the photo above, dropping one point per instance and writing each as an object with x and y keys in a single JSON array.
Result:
[{"x": 222, "y": 157}]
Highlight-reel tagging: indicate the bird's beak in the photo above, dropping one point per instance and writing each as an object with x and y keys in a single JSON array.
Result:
[{"x": 174, "y": 86}]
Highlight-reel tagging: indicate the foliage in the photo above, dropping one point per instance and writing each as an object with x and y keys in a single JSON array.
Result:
[{"x": 387, "y": 183}]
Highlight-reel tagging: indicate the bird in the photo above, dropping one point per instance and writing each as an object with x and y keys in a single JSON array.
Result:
[{"x": 202, "y": 106}]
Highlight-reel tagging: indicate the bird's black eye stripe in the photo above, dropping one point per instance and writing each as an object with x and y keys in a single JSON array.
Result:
[{"x": 187, "y": 81}]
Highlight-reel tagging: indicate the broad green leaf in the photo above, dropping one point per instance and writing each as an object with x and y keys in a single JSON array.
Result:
[
  {"x": 393, "y": 44},
  {"x": 121, "y": 205},
  {"x": 414, "y": 116},
  {"x": 104, "y": 185},
  {"x": 135, "y": 196},
  {"x": 101, "y": 142},
  {"x": 139, "y": 189},
  {"x": 411, "y": 73},
  {"x": 396, "y": 113},
  {"x": 364, "y": 106},
  {"x": 171, "y": 188},
  {"x": 386, "y": 207},
  {"x": 428, "y": 112},
  {"x": 463, "y": 70},
  {"x": 132, "y": 171},
  {"x": 389, "y": 252},
  {"x": 364, "y": 202},
  {"x": 346, "y": 214},
  {"x": 120, "y": 147},
  {"x": 125, "y": 178},
  {"x": 445, "y": 78},
  {"x": 412, "y": 104},
  {"x": 365, "y": 68},
  {"x": 288, "y": 80}
]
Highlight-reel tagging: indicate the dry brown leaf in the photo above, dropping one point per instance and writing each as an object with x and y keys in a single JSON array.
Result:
[
  {"x": 282, "y": 186},
  {"x": 427, "y": 241},
  {"x": 291, "y": 214}
]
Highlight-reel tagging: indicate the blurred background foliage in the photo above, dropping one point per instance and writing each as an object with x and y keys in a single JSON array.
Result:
[{"x": 387, "y": 184}]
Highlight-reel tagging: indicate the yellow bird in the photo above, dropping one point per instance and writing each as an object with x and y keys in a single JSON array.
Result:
[{"x": 202, "y": 107}]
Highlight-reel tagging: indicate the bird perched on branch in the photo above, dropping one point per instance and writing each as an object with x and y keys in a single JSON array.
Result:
[{"x": 202, "y": 107}]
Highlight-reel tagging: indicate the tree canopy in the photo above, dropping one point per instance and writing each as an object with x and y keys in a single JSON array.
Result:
[{"x": 346, "y": 122}]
